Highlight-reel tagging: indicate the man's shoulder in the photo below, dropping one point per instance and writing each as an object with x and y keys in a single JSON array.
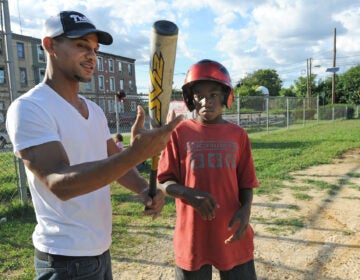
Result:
[{"x": 34, "y": 93}]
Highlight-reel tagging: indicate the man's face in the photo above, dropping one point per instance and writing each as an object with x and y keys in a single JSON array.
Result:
[{"x": 76, "y": 58}]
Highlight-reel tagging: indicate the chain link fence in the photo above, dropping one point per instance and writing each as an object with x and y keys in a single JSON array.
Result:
[{"x": 254, "y": 113}]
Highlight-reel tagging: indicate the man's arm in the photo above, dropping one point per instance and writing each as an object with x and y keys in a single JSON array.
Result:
[
  {"x": 133, "y": 181},
  {"x": 51, "y": 166}
]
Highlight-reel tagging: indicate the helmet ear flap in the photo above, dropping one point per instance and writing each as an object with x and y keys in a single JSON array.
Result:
[
  {"x": 229, "y": 98},
  {"x": 188, "y": 98}
]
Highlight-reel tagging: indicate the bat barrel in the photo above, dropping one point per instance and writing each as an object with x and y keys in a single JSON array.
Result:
[
  {"x": 162, "y": 61},
  {"x": 165, "y": 28}
]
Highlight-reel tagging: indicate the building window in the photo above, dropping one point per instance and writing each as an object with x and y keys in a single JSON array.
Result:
[
  {"x": 121, "y": 107},
  {"x": 102, "y": 103},
  {"x": 20, "y": 50},
  {"x": 121, "y": 84},
  {"x": 120, "y": 67},
  {"x": 130, "y": 84},
  {"x": 23, "y": 77},
  {"x": 41, "y": 74},
  {"x": 88, "y": 85},
  {"x": 112, "y": 83},
  {"x": 100, "y": 64},
  {"x": 110, "y": 106},
  {"x": 111, "y": 65},
  {"x": 130, "y": 69},
  {"x": 2, "y": 76},
  {"x": 101, "y": 83},
  {"x": 40, "y": 53}
]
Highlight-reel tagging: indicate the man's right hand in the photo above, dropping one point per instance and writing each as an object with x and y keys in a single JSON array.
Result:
[{"x": 149, "y": 142}]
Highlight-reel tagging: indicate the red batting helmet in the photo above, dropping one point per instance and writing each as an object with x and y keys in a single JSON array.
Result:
[{"x": 207, "y": 70}]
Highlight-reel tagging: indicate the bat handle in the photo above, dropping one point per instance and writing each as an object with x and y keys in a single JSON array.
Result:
[
  {"x": 153, "y": 177},
  {"x": 152, "y": 183}
]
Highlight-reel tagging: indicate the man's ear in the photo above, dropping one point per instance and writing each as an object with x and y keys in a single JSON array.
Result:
[{"x": 47, "y": 44}]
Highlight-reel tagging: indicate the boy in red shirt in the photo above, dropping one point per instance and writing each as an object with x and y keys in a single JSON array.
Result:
[{"x": 208, "y": 167}]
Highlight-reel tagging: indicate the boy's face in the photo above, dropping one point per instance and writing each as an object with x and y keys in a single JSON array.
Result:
[{"x": 208, "y": 98}]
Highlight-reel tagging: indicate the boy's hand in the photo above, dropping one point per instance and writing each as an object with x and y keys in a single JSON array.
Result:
[
  {"x": 241, "y": 217},
  {"x": 203, "y": 202}
]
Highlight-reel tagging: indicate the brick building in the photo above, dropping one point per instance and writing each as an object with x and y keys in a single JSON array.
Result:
[{"x": 113, "y": 74}]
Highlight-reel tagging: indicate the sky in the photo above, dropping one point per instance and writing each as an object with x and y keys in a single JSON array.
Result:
[{"x": 244, "y": 36}]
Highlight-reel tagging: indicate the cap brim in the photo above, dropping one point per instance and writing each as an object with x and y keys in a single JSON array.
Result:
[{"x": 104, "y": 38}]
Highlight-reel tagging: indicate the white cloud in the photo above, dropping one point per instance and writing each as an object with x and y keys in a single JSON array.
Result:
[{"x": 244, "y": 35}]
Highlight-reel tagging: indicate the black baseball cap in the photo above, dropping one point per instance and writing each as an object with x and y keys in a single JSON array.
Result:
[{"x": 73, "y": 25}]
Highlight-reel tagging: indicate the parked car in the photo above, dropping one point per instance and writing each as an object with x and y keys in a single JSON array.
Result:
[{"x": 4, "y": 139}]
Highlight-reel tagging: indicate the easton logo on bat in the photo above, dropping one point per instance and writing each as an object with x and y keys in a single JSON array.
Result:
[{"x": 156, "y": 76}]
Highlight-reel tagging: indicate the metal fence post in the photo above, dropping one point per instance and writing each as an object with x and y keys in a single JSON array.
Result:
[
  {"x": 287, "y": 112},
  {"x": 317, "y": 108},
  {"x": 23, "y": 188},
  {"x": 117, "y": 115},
  {"x": 238, "y": 110},
  {"x": 304, "y": 111},
  {"x": 267, "y": 113}
]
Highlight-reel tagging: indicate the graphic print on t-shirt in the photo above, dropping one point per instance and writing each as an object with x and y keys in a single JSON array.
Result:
[{"x": 212, "y": 154}]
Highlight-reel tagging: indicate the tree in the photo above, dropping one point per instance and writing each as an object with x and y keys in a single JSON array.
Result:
[
  {"x": 289, "y": 92},
  {"x": 348, "y": 86},
  {"x": 263, "y": 77},
  {"x": 301, "y": 87}
]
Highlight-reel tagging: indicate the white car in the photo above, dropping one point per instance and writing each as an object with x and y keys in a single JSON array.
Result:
[{"x": 4, "y": 139}]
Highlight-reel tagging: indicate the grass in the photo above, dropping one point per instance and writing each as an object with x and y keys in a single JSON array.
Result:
[{"x": 275, "y": 155}]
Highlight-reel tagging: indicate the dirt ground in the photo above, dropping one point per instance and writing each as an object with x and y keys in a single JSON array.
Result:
[{"x": 307, "y": 231}]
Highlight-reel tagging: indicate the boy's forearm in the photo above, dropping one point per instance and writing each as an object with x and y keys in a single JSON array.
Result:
[
  {"x": 173, "y": 189},
  {"x": 246, "y": 198}
]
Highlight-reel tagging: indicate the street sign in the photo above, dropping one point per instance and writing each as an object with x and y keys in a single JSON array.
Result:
[{"x": 332, "y": 69}]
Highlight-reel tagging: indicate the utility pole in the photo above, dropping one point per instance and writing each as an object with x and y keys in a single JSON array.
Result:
[
  {"x": 308, "y": 77},
  {"x": 12, "y": 88},
  {"x": 9, "y": 49},
  {"x": 334, "y": 73}
]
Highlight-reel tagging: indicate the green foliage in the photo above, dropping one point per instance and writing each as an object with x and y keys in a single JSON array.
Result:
[
  {"x": 301, "y": 87},
  {"x": 348, "y": 86},
  {"x": 268, "y": 78},
  {"x": 289, "y": 92},
  {"x": 15, "y": 242},
  {"x": 282, "y": 151}
]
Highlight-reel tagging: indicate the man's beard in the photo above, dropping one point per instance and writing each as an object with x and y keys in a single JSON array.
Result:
[{"x": 82, "y": 79}]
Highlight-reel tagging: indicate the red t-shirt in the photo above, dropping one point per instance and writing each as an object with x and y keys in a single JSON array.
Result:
[{"x": 215, "y": 158}]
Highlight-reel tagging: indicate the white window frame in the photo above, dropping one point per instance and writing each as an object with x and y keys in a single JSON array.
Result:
[
  {"x": 100, "y": 63},
  {"x": 41, "y": 74},
  {"x": 120, "y": 67},
  {"x": 2, "y": 75},
  {"x": 112, "y": 84},
  {"x": 130, "y": 70},
  {"x": 40, "y": 53},
  {"x": 20, "y": 44},
  {"x": 101, "y": 81},
  {"x": 111, "y": 65},
  {"x": 23, "y": 76}
]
